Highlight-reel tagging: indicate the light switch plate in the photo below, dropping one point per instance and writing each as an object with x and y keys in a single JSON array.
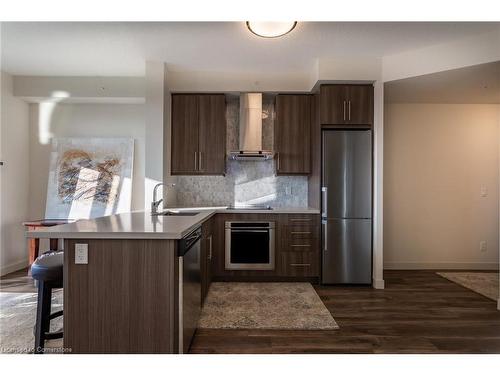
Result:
[
  {"x": 81, "y": 253},
  {"x": 483, "y": 246}
]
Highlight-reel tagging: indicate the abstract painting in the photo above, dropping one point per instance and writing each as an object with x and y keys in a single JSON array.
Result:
[{"x": 89, "y": 177}]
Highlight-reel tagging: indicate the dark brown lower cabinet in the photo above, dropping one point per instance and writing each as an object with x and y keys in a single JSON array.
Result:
[
  {"x": 125, "y": 300},
  {"x": 300, "y": 263},
  {"x": 300, "y": 249},
  {"x": 297, "y": 248}
]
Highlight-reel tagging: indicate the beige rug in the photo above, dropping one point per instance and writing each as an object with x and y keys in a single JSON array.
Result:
[
  {"x": 485, "y": 283},
  {"x": 17, "y": 319},
  {"x": 265, "y": 306}
]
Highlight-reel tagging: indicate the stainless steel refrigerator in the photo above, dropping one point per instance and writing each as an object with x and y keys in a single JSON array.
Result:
[{"x": 346, "y": 202}]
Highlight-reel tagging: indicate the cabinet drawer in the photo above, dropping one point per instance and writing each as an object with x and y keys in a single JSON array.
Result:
[
  {"x": 294, "y": 232},
  {"x": 300, "y": 264},
  {"x": 301, "y": 244},
  {"x": 302, "y": 219}
]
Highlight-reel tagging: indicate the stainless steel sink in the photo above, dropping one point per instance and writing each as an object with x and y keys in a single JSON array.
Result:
[{"x": 179, "y": 213}]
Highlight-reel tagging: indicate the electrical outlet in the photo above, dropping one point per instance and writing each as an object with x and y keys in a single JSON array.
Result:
[
  {"x": 81, "y": 253},
  {"x": 288, "y": 190},
  {"x": 484, "y": 191},
  {"x": 483, "y": 246}
]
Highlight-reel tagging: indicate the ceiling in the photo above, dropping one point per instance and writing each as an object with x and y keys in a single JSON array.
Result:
[
  {"x": 120, "y": 49},
  {"x": 478, "y": 84}
]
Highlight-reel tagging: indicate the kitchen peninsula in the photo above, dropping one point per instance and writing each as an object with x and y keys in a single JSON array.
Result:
[{"x": 129, "y": 292}]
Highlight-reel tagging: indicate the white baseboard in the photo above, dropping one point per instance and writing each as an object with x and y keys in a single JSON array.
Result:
[
  {"x": 441, "y": 266},
  {"x": 4, "y": 270},
  {"x": 378, "y": 283}
]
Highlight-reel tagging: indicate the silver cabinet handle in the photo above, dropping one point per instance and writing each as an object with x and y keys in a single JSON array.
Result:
[
  {"x": 324, "y": 193},
  {"x": 349, "y": 110},
  {"x": 301, "y": 232},
  {"x": 300, "y": 264},
  {"x": 249, "y": 231},
  {"x": 210, "y": 248},
  {"x": 199, "y": 162},
  {"x": 195, "y": 161},
  {"x": 344, "y": 109},
  {"x": 300, "y": 245},
  {"x": 278, "y": 160},
  {"x": 325, "y": 235},
  {"x": 300, "y": 219}
]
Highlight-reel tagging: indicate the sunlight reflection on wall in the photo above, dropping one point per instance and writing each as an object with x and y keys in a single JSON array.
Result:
[{"x": 45, "y": 112}]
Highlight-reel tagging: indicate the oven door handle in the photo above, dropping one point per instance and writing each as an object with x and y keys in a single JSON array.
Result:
[{"x": 249, "y": 230}]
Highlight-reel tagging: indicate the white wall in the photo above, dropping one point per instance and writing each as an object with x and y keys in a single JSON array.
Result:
[
  {"x": 154, "y": 157},
  {"x": 436, "y": 159},
  {"x": 82, "y": 120},
  {"x": 470, "y": 51},
  {"x": 14, "y": 180},
  {"x": 81, "y": 89}
]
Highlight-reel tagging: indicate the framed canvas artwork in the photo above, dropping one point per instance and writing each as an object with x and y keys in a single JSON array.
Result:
[{"x": 89, "y": 177}]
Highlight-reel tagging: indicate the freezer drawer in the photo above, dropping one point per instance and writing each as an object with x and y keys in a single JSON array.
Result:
[
  {"x": 347, "y": 174},
  {"x": 347, "y": 251}
]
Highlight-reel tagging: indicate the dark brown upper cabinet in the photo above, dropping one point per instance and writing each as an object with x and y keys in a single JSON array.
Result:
[
  {"x": 198, "y": 134},
  {"x": 346, "y": 104},
  {"x": 292, "y": 134}
]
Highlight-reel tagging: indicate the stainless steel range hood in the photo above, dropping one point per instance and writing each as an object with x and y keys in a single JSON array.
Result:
[{"x": 250, "y": 145}]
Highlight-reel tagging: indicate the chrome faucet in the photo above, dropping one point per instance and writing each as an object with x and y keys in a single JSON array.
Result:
[{"x": 156, "y": 203}]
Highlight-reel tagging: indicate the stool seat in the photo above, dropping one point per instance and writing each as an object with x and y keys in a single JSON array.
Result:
[{"x": 48, "y": 267}]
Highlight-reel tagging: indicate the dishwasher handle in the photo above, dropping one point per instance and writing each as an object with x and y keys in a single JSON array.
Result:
[{"x": 188, "y": 241}]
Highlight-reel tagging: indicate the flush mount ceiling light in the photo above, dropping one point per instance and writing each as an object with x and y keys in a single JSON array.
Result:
[{"x": 271, "y": 29}]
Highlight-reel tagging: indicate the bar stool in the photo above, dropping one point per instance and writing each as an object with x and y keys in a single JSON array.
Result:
[{"x": 48, "y": 271}]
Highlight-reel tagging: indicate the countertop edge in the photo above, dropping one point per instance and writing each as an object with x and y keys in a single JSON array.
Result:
[{"x": 52, "y": 232}]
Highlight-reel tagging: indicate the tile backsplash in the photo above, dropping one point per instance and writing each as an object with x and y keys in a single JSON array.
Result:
[{"x": 246, "y": 182}]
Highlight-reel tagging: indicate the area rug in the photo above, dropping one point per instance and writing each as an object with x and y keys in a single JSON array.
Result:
[
  {"x": 265, "y": 306},
  {"x": 17, "y": 319},
  {"x": 485, "y": 283}
]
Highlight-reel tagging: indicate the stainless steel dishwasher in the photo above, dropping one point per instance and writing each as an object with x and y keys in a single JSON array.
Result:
[{"x": 189, "y": 287}]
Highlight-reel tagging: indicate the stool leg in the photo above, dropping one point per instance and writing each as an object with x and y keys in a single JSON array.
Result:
[
  {"x": 54, "y": 243},
  {"x": 42, "y": 315}
]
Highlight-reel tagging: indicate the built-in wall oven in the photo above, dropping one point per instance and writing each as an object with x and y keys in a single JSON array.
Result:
[{"x": 249, "y": 245}]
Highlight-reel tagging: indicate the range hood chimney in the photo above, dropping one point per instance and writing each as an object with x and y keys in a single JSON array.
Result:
[{"x": 250, "y": 145}]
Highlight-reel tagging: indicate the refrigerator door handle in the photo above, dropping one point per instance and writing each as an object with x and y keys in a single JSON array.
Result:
[
  {"x": 324, "y": 208},
  {"x": 325, "y": 235}
]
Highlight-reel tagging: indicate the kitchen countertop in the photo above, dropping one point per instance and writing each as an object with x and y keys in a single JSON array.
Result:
[{"x": 141, "y": 225}]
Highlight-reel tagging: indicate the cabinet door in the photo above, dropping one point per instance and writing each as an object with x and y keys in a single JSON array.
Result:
[
  {"x": 185, "y": 135},
  {"x": 333, "y": 104},
  {"x": 212, "y": 127},
  {"x": 360, "y": 104},
  {"x": 300, "y": 264},
  {"x": 292, "y": 134}
]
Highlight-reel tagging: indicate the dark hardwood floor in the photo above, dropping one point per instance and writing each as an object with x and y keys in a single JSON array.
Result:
[{"x": 418, "y": 312}]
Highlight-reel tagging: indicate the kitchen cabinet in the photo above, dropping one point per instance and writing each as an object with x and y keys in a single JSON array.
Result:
[
  {"x": 300, "y": 246},
  {"x": 198, "y": 134},
  {"x": 297, "y": 248},
  {"x": 346, "y": 104},
  {"x": 292, "y": 134},
  {"x": 300, "y": 264},
  {"x": 206, "y": 258}
]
